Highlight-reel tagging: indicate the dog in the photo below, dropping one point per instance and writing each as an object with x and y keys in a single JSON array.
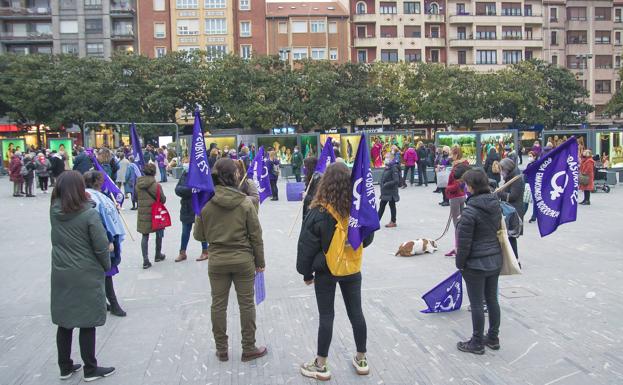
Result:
[{"x": 416, "y": 247}]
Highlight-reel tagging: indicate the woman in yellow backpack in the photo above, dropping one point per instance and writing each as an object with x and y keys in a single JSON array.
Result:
[{"x": 325, "y": 259}]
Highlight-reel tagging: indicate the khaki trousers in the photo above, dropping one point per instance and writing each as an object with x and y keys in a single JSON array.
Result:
[{"x": 243, "y": 278}]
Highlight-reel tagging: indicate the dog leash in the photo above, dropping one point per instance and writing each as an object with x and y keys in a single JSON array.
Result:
[{"x": 445, "y": 231}]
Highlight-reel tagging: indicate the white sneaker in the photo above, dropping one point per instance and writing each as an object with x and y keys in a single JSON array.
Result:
[
  {"x": 312, "y": 370},
  {"x": 361, "y": 366}
]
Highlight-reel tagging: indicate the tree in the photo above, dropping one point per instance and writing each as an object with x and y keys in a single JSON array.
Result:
[{"x": 428, "y": 93}]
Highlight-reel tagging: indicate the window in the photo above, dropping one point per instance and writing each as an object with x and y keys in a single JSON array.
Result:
[
  {"x": 333, "y": 27},
  {"x": 603, "y": 13},
  {"x": 512, "y": 57},
  {"x": 528, "y": 33},
  {"x": 413, "y": 55},
  {"x": 218, "y": 27},
  {"x": 188, "y": 27},
  {"x": 333, "y": 54},
  {"x": 553, "y": 14},
  {"x": 485, "y": 9},
  {"x": 411, "y": 7},
  {"x": 433, "y": 9},
  {"x": 93, "y": 25},
  {"x": 361, "y": 8},
  {"x": 69, "y": 48},
  {"x": 95, "y": 49},
  {"x": 434, "y": 56},
  {"x": 511, "y": 33},
  {"x": 603, "y": 87},
  {"x": 389, "y": 55},
  {"x": 486, "y": 33},
  {"x": 318, "y": 26},
  {"x": 527, "y": 10},
  {"x": 361, "y": 31},
  {"x": 617, "y": 86},
  {"x": 511, "y": 9},
  {"x": 389, "y": 31},
  {"x": 186, "y": 4},
  {"x": 159, "y": 5},
  {"x": 529, "y": 55},
  {"x": 214, "y": 4},
  {"x": 244, "y": 5},
  {"x": 160, "y": 30},
  {"x": 299, "y": 27},
  {"x": 160, "y": 52},
  {"x": 576, "y": 13},
  {"x": 460, "y": 9},
  {"x": 462, "y": 57},
  {"x": 577, "y": 37},
  {"x": 69, "y": 26},
  {"x": 68, "y": 4},
  {"x": 434, "y": 32},
  {"x": 603, "y": 61},
  {"x": 319, "y": 53},
  {"x": 413, "y": 31},
  {"x": 618, "y": 15},
  {"x": 214, "y": 52},
  {"x": 388, "y": 9},
  {"x": 461, "y": 33},
  {"x": 555, "y": 60},
  {"x": 617, "y": 62},
  {"x": 283, "y": 54},
  {"x": 92, "y": 3},
  {"x": 602, "y": 37},
  {"x": 299, "y": 53},
  {"x": 486, "y": 57},
  {"x": 188, "y": 48},
  {"x": 617, "y": 38},
  {"x": 283, "y": 27},
  {"x": 362, "y": 56},
  {"x": 245, "y": 28},
  {"x": 245, "y": 51},
  {"x": 553, "y": 38}
]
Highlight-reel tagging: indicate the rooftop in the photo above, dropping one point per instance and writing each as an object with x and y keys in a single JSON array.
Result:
[{"x": 305, "y": 9}]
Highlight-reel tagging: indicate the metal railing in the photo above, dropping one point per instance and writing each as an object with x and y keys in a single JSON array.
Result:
[
  {"x": 26, "y": 36},
  {"x": 25, "y": 11}
]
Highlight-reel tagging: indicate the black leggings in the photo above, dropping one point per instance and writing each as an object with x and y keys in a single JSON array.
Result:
[
  {"x": 392, "y": 209},
  {"x": 350, "y": 286},
  {"x": 421, "y": 173},
  {"x": 43, "y": 183},
  {"x": 587, "y": 196},
  {"x": 87, "y": 348},
  {"x": 482, "y": 286},
  {"x": 273, "y": 187},
  {"x": 145, "y": 245}
]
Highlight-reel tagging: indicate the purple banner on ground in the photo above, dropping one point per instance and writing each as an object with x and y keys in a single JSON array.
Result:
[
  {"x": 258, "y": 173},
  {"x": 260, "y": 289},
  {"x": 445, "y": 297},
  {"x": 554, "y": 181},
  {"x": 199, "y": 174},
  {"x": 327, "y": 154},
  {"x": 109, "y": 187},
  {"x": 364, "y": 219},
  {"x": 139, "y": 160}
]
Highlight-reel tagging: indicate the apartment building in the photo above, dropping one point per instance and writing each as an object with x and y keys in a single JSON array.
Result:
[
  {"x": 301, "y": 30},
  {"x": 585, "y": 37},
  {"x": 487, "y": 35},
  {"x": 81, "y": 27},
  {"x": 154, "y": 27},
  {"x": 393, "y": 31},
  {"x": 250, "y": 28}
]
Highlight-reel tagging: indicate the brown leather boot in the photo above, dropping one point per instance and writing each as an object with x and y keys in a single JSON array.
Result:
[
  {"x": 257, "y": 353},
  {"x": 181, "y": 257},
  {"x": 204, "y": 255}
]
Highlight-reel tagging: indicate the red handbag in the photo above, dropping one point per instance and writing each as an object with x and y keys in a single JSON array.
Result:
[{"x": 160, "y": 217}]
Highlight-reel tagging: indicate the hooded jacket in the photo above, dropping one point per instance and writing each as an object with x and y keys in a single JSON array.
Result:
[
  {"x": 239, "y": 239},
  {"x": 478, "y": 246},
  {"x": 187, "y": 215},
  {"x": 82, "y": 163},
  {"x": 390, "y": 181},
  {"x": 15, "y": 170},
  {"x": 80, "y": 259},
  {"x": 146, "y": 196}
]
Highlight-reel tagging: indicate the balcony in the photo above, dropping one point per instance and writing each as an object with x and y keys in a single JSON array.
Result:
[
  {"x": 365, "y": 41},
  {"x": 434, "y": 18},
  {"x": 121, "y": 10},
  {"x": 496, "y": 43},
  {"x": 121, "y": 34},
  {"x": 466, "y": 18},
  {"x": 434, "y": 41},
  {"x": 364, "y": 18},
  {"x": 25, "y": 13},
  {"x": 31, "y": 37}
]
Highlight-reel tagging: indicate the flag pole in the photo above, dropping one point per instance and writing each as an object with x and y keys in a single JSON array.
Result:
[
  {"x": 299, "y": 211},
  {"x": 507, "y": 184},
  {"x": 126, "y": 226}
]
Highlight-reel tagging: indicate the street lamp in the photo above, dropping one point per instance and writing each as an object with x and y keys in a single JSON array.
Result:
[{"x": 584, "y": 58}]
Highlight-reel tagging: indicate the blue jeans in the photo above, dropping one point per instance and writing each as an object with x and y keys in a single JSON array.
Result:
[
  {"x": 163, "y": 174},
  {"x": 186, "y": 228}
]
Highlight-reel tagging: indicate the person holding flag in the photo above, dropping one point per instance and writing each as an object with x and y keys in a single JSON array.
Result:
[
  {"x": 259, "y": 174},
  {"x": 273, "y": 173},
  {"x": 139, "y": 159},
  {"x": 322, "y": 241},
  {"x": 327, "y": 155}
]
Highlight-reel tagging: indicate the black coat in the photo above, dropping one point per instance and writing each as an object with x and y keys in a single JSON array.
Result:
[
  {"x": 187, "y": 215},
  {"x": 422, "y": 156},
  {"x": 478, "y": 247},
  {"x": 314, "y": 242},
  {"x": 514, "y": 193},
  {"x": 390, "y": 181},
  {"x": 489, "y": 166},
  {"x": 82, "y": 163},
  {"x": 57, "y": 166}
]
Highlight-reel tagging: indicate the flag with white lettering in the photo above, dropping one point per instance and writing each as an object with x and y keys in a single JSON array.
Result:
[
  {"x": 258, "y": 173},
  {"x": 109, "y": 187},
  {"x": 554, "y": 182},
  {"x": 364, "y": 219},
  {"x": 199, "y": 174},
  {"x": 327, "y": 155},
  {"x": 136, "y": 148},
  {"x": 445, "y": 297}
]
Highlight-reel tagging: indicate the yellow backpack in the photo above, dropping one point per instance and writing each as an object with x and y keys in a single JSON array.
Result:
[{"x": 342, "y": 259}]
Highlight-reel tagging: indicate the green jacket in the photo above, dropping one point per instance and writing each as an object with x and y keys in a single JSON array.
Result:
[
  {"x": 146, "y": 196},
  {"x": 297, "y": 162},
  {"x": 80, "y": 259},
  {"x": 229, "y": 223}
]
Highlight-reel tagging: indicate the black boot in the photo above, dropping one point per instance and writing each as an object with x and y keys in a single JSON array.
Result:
[
  {"x": 115, "y": 309},
  {"x": 159, "y": 256},
  {"x": 144, "y": 245},
  {"x": 471, "y": 346},
  {"x": 492, "y": 343}
]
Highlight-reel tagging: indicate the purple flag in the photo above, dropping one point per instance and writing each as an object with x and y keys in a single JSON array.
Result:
[
  {"x": 136, "y": 148},
  {"x": 258, "y": 173},
  {"x": 445, "y": 297},
  {"x": 326, "y": 154},
  {"x": 364, "y": 219},
  {"x": 554, "y": 181},
  {"x": 109, "y": 187},
  {"x": 199, "y": 175},
  {"x": 260, "y": 289}
]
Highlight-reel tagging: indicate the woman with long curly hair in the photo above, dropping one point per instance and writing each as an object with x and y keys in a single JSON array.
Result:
[{"x": 331, "y": 203}]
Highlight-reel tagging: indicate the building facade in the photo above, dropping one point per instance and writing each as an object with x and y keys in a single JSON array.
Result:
[
  {"x": 586, "y": 38},
  {"x": 154, "y": 28},
  {"x": 302, "y": 30},
  {"x": 86, "y": 28},
  {"x": 250, "y": 28}
]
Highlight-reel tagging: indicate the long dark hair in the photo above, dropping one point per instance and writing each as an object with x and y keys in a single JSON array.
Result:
[
  {"x": 335, "y": 189},
  {"x": 224, "y": 173},
  {"x": 94, "y": 180},
  {"x": 70, "y": 191},
  {"x": 243, "y": 187},
  {"x": 310, "y": 164}
]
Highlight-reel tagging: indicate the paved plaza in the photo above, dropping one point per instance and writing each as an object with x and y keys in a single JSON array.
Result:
[{"x": 562, "y": 320}]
